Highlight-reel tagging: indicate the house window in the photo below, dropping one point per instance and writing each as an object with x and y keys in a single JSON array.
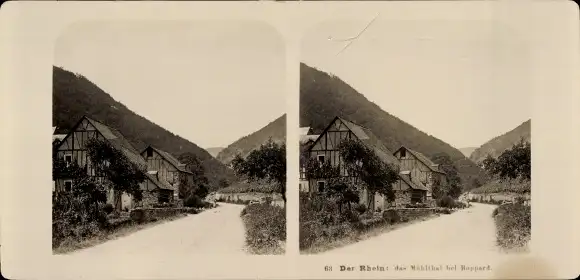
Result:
[
  {"x": 320, "y": 186},
  {"x": 68, "y": 158},
  {"x": 149, "y": 152},
  {"x": 403, "y": 153},
  {"x": 321, "y": 158},
  {"x": 68, "y": 185}
]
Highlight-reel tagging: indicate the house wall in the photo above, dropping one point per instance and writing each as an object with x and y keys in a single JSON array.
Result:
[
  {"x": 403, "y": 196},
  {"x": 165, "y": 170},
  {"x": 420, "y": 171},
  {"x": 327, "y": 145},
  {"x": 75, "y": 142},
  {"x": 328, "y": 142},
  {"x": 304, "y": 185}
]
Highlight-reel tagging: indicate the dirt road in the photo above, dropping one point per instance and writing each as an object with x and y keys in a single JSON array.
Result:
[
  {"x": 215, "y": 231},
  {"x": 469, "y": 231}
]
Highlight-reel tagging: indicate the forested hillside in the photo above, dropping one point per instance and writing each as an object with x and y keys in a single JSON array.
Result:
[
  {"x": 214, "y": 151},
  {"x": 496, "y": 146},
  {"x": 322, "y": 97},
  {"x": 467, "y": 151},
  {"x": 75, "y": 96},
  {"x": 276, "y": 130}
]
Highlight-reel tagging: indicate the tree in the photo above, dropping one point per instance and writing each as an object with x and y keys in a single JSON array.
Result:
[
  {"x": 512, "y": 163},
  {"x": 453, "y": 187},
  {"x": 223, "y": 183},
  {"x": 123, "y": 174},
  {"x": 339, "y": 189},
  {"x": 200, "y": 181},
  {"x": 362, "y": 163},
  {"x": 265, "y": 163}
]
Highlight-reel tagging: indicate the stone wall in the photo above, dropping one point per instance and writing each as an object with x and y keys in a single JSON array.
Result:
[
  {"x": 149, "y": 199},
  {"x": 142, "y": 215},
  {"x": 247, "y": 197},
  {"x": 410, "y": 214},
  {"x": 402, "y": 198},
  {"x": 498, "y": 196}
]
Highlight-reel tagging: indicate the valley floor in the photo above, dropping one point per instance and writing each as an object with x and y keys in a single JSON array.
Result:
[
  {"x": 469, "y": 232},
  {"x": 215, "y": 231}
]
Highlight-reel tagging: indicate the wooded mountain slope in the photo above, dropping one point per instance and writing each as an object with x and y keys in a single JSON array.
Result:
[
  {"x": 467, "y": 151},
  {"x": 214, "y": 151},
  {"x": 496, "y": 146},
  {"x": 322, "y": 97},
  {"x": 276, "y": 130},
  {"x": 75, "y": 96}
]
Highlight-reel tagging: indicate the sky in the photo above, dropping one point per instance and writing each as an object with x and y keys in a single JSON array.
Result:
[
  {"x": 211, "y": 82},
  {"x": 462, "y": 83}
]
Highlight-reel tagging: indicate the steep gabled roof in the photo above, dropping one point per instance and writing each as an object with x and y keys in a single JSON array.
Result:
[
  {"x": 369, "y": 139},
  {"x": 170, "y": 158},
  {"x": 305, "y": 130},
  {"x": 119, "y": 142},
  {"x": 425, "y": 160},
  {"x": 307, "y": 138}
]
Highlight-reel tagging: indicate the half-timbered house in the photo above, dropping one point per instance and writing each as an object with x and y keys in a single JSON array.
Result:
[
  {"x": 326, "y": 149},
  {"x": 73, "y": 148},
  {"x": 167, "y": 167},
  {"x": 307, "y": 138},
  {"x": 421, "y": 168}
]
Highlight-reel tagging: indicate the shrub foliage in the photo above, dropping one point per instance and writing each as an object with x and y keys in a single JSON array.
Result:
[
  {"x": 513, "y": 225},
  {"x": 82, "y": 211},
  {"x": 265, "y": 228},
  {"x": 266, "y": 163},
  {"x": 512, "y": 163}
]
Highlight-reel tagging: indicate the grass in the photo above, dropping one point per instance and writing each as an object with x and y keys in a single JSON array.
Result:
[
  {"x": 323, "y": 226},
  {"x": 265, "y": 229},
  {"x": 504, "y": 186},
  {"x": 250, "y": 186},
  {"x": 69, "y": 245},
  {"x": 328, "y": 243},
  {"x": 513, "y": 226}
]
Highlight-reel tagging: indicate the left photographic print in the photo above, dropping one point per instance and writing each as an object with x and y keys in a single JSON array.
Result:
[{"x": 169, "y": 138}]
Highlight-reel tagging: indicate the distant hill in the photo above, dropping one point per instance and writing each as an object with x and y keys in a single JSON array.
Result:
[
  {"x": 276, "y": 130},
  {"x": 496, "y": 146},
  {"x": 75, "y": 96},
  {"x": 214, "y": 151},
  {"x": 467, "y": 151},
  {"x": 324, "y": 96}
]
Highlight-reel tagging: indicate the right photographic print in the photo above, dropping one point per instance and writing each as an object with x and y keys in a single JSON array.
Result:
[{"x": 415, "y": 136}]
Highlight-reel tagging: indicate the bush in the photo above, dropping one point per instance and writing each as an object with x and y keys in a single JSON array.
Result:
[
  {"x": 513, "y": 225},
  {"x": 196, "y": 202},
  {"x": 265, "y": 227},
  {"x": 108, "y": 208},
  {"x": 361, "y": 208},
  {"x": 446, "y": 202},
  {"x": 445, "y": 211},
  {"x": 391, "y": 216},
  {"x": 73, "y": 220},
  {"x": 494, "y": 213},
  {"x": 320, "y": 219},
  {"x": 460, "y": 204}
]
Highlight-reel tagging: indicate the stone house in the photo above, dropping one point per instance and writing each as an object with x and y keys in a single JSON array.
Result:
[
  {"x": 325, "y": 149},
  {"x": 421, "y": 168},
  {"x": 167, "y": 168},
  {"x": 73, "y": 148}
]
